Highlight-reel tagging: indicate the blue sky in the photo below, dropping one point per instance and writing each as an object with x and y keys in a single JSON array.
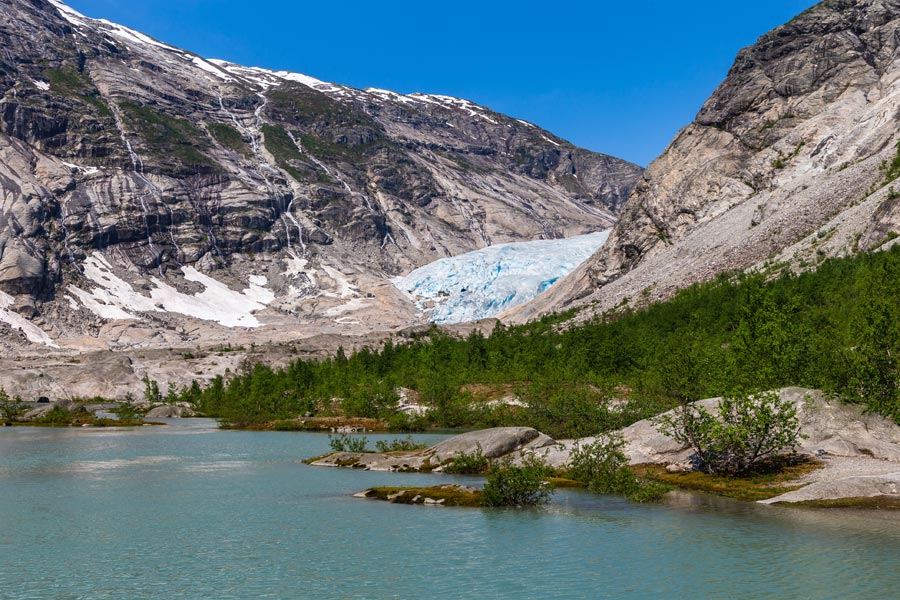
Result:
[{"x": 615, "y": 77}]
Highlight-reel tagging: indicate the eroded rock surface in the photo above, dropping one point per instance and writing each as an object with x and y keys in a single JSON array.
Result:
[
  {"x": 493, "y": 443},
  {"x": 784, "y": 163}
]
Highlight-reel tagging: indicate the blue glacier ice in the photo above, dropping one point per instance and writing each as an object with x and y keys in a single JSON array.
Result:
[{"x": 484, "y": 283}]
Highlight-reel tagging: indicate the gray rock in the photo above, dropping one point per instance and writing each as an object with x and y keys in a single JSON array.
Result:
[
  {"x": 372, "y": 183},
  {"x": 782, "y": 164},
  {"x": 42, "y": 410},
  {"x": 493, "y": 443},
  {"x": 169, "y": 412}
]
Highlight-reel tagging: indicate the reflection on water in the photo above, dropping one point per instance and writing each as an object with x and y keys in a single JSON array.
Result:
[{"x": 187, "y": 511}]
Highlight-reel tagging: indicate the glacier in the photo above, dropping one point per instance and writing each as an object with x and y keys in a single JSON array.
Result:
[{"x": 485, "y": 282}]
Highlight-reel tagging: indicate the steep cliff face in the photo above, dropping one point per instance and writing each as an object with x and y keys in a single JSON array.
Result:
[
  {"x": 136, "y": 177},
  {"x": 790, "y": 161}
]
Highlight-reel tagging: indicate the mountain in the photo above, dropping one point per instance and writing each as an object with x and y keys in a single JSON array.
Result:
[
  {"x": 789, "y": 162},
  {"x": 154, "y": 198}
]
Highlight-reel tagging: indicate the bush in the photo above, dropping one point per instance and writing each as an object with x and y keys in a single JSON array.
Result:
[
  {"x": 603, "y": 468},
  {"x": 406, "y": 423},
  {"x": 407, "y": 444},
  {"x": 510, "y": 485},
  {"x": 747, "y": 430},
  {"x": 346, "y": 443},
  {"x": 468, "y": 464}
]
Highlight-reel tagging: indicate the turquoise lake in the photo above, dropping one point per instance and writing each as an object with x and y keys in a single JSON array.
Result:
[{"x": 188, "y": 511}]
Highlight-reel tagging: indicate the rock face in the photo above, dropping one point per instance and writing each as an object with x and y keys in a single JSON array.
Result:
[
  {"x": 143, "y": 183},
  {"x": 789, "y": 161},
  {"x": 169, "y": 412},
  {"x": 860, "y": 452}
]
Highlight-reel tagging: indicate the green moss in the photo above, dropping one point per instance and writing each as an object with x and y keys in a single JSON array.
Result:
[
  {"x": 229, "y": 137},
  {"x": 869, "y": 503},
  {"x": 444, "y": 495},
  {"x": 770, "y": 480},
  {"x": 169, "y": 138},
  {"x": 892, "y": 169},
  {"x": 282, "y": 147},
  {"x": 71, "y": 83}
]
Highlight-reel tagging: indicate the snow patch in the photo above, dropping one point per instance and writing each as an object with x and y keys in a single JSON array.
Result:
[
  {"x": 34, "y": 333},
  {"x": 84, "y": 170},
  {"x": 117, "y": 299},
  {"x": 41, "y": 85},
  {"x": 483, "y": 283},
  {"x": 212, "y": 69},
  {"x": 449, "y": 102},
  {"x": 69, "y": 14}
]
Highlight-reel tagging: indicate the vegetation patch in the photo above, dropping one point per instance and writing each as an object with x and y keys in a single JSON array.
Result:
[
  {"x": 517, "y": 485},
  {"x": 229, "y": 137},
  {"x": 603, "y": 468},
  {"x": 167, "y": 138},
  {"x": 865, "y": 502},
  {"x": 280, "y": 145},
  {"x": 323, "y": 424},
  {"x": 836, "y": 329},
  {"x": 71, "y": 83},
  {"x": 440, "y": 495},
  {"x": 475, "y": 463},
  {"x": 770, "y": 479},
  {"x": 746, "y": 431}
]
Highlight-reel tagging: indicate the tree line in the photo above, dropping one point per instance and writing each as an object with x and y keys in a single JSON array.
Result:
[{"x": 836, "y": 328}]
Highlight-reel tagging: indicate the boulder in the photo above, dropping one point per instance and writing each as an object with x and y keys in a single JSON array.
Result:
[
  {"x": 169, "y": 412},
  {"x": 43, "y": 409},
  {"x": 493, "y": 443}
]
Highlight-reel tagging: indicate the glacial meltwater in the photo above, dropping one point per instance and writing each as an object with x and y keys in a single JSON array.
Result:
[{"x": 188, "y": 511}]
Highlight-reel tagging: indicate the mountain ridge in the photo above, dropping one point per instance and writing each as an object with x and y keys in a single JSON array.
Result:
[
  {"x": 786, "y": 164},
  {"x": 133, "y": 170}
]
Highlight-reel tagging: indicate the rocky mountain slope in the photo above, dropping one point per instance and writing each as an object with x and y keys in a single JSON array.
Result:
[
  {"x": 151, "y": 197},
  {"x": 790, "y": 161}
]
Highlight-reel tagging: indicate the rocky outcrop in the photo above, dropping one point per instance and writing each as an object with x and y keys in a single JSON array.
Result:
[
  {"x": 121, "y": 154},
  {"x": 789, "y": 162},
  {"x": 41, "y": 411},
  {"x": 169, "y": 412},
  {"x": 859, "y": 451},
  {"x": 492, "y": 443}
]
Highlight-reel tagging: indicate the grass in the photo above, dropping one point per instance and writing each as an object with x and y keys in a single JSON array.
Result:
[
  {"x": 770, "y": 480},
  {"x": 444, "y": 495},
  {"x": 869, "y": 503}
]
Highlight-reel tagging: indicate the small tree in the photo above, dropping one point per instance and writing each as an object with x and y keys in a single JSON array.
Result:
[
  {"x": 604, "y": 468},
  {"x": 747, "y": 430},
  {"x": 511, "y": 485}
]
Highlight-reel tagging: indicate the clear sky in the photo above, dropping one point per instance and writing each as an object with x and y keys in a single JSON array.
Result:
[{"x": 616, "y": 77}]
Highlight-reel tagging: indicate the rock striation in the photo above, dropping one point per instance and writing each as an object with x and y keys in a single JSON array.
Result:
[
  {"x": 789, "y": 162},
  {"x": 144, "y": 183}
]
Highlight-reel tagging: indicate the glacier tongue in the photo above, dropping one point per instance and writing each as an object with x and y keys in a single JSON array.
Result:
[{"x": 483, "y": 283}]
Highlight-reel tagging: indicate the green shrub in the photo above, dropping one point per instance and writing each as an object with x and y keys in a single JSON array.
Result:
[
  {"x": 407, "y": 423},
  {"x": 347, "y": 443},
  {"x": 407, "y": 444},
  {"x": 748, "y": 429},
  {"x": 603, "y": 467},
  {"x": 468, "y": 464},
  {"x": 511, "y": 485}
]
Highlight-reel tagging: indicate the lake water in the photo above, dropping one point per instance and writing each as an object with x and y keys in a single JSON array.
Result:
[{"x": 187, "y": 511}]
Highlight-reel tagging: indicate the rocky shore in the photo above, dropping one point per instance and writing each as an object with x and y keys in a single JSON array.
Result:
[{"x": 859, "y": 453}]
